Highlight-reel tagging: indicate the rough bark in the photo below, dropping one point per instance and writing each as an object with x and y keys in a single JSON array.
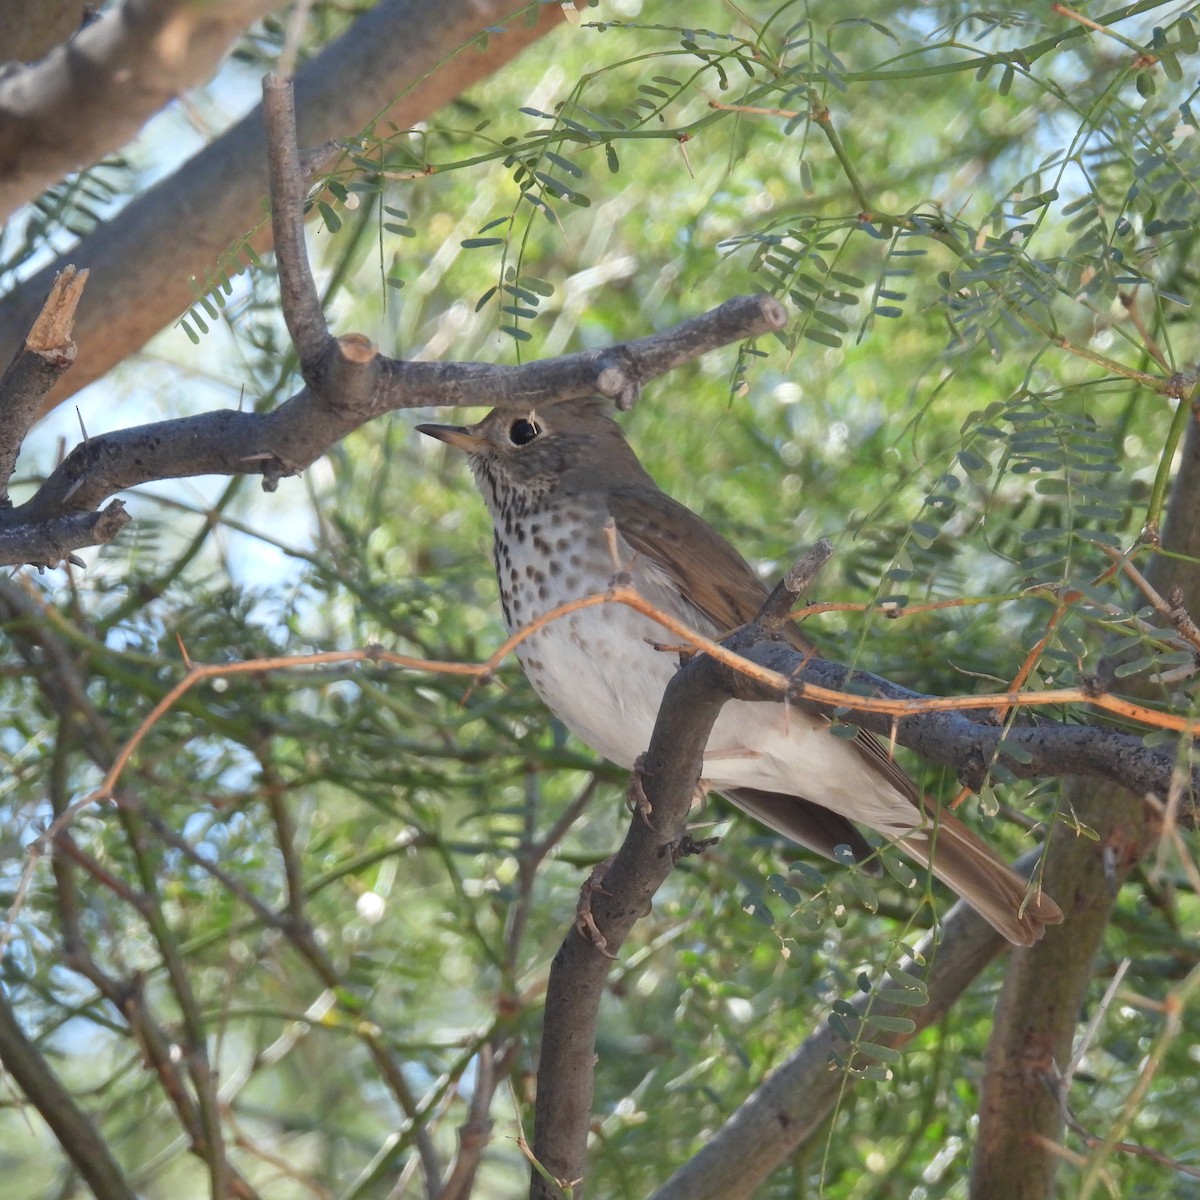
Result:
[
  {"x": 349, "y": 384},
  {"x": 386, "y": 65},
  {"x": 567, "y": 1064},
  {"x": 1021, "y": 1115},
  {"x": 49, "y": 350},
  {"x": 27, "y": 1066},
  {"x": 93, "y": 93}
]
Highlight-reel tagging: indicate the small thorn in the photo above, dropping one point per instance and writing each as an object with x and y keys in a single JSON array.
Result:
[{"x": 610, "y": 538}]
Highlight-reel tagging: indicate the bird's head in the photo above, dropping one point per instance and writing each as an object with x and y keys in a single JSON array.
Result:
[{"x": 519, "y": 456}]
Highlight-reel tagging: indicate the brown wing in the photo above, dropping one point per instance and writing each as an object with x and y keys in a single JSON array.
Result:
[
  {"x": 707, "y": 569},
  {"x": 724, "y": 589},
  {"x": 721, "y": 584},
  {"x": 818, "y": 829}
]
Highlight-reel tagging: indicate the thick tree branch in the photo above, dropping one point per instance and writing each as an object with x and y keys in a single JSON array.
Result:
[
  {"x": 1047, "y": 749},
  {"x": 50, "y": 542},
  {"x": 73, "y": 1128},
  {"x": 48, "y": 351},
  {"x": 91, "y": 95},
  {"x": 352, "y": 384},
  {"x": 1020, "y": 1117},
  {"x": 390, "y": 65},
  {"x": 1039, "y": 1009},
  {"x": 566, "y": 1069}
]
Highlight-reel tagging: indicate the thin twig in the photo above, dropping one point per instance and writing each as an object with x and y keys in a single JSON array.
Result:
[
  {"x": 530, "y": 857},
  {"x": 777, "y": 608},
  {"x": 1173, "y": 610},
  {"x": 301, "y": 302},
  {"x": 475, "y": 1132},
  {"x": 1088, "y": 23},
  {"x": 1129, "y": 303},
  {"x": 1089, "y": 1033}
]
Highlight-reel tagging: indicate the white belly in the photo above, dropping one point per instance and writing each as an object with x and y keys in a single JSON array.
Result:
[
  {"x": 598, "y": 672},
  {"x": 584, "y": 666}
]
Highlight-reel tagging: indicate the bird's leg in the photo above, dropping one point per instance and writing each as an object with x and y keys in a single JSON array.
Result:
[
  {"x": 585, "y": 923},
  {"x": 636, "y": 799}
]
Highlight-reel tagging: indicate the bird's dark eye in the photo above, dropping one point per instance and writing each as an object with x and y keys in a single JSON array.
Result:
[{"x": 522, "y": 431}]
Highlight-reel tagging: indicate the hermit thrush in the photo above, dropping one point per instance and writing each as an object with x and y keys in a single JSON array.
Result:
[{"x": 551, "y": 481}]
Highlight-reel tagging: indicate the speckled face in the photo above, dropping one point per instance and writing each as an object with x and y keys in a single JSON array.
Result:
[
  {"x": 516, "y": 465},
  {"x": 519, "y": 457}
]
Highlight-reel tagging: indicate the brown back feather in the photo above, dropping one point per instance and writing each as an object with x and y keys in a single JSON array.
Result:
[{"x": 721, "y": 584}]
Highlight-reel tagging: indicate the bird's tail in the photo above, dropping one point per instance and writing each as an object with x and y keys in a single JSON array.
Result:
[{"x": 961, "y": 860}]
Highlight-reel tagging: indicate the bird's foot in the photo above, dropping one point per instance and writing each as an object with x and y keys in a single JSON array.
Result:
[
  {"x": 688, "y": 845},
  {"x": 585, "y": 923},
  {"x": 635, "y": 794}
]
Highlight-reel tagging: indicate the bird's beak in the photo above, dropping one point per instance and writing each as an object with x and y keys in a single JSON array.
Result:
[{"x": 457, "y": 436}]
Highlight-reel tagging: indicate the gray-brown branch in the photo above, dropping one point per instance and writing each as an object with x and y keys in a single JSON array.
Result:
[
  {"x": 1046, "y": 749},
  {"x": 28, "y": 1067},
  {"x": 48, "y": 351},
  {"x": 566, "y": 1068},
  {"x": 53, "y": 541},
  {"x": 288, "y": 185},
  {"x": 352, "y": 384}
]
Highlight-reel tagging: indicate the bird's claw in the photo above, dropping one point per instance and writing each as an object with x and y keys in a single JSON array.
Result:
[
  {"x": 635, "y": 794},
  {"x": 585, "y": 923}
]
